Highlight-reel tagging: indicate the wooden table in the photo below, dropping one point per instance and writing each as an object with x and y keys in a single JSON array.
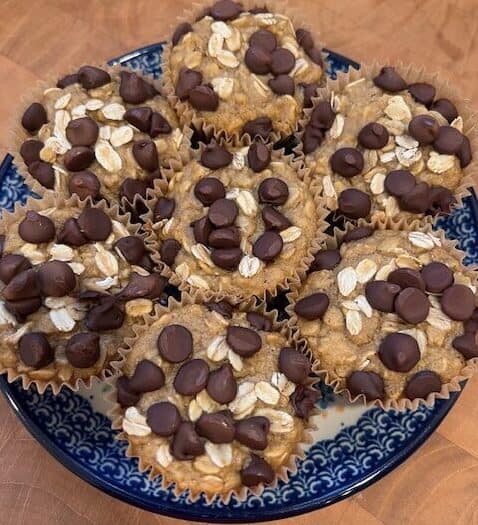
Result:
[{"x": 439, "y": 484}]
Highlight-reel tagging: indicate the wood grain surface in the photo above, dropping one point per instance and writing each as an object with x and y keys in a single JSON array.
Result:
[{"x": 439, "y": 484}]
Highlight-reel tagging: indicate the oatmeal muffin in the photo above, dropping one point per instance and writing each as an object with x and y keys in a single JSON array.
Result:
[
  {"x": 73, "y": 279},
  {"x": 100, "y": 133},
  {"x": 214, "y": 399},
  {"x": 237, "y": 222},
  {"x": 390, "y": 315},
  {"x": 238, "y": 71},
  {"x": 384, "y": 143}
]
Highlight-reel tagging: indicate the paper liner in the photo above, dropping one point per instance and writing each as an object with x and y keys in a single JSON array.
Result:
[
  {"x": 395, "y": 224},
  {"x": 116, "y": 413},
  {"x": 411, "y": 73},
  {"x": 299, "y": 272},
  {"x": 186, "y": 113},
  {"x": 8, "y": 220},
  {"x": 18, "y": 134}
]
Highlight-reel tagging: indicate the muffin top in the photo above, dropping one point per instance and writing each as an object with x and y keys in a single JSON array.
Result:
[{"x": 243, "y": 71}]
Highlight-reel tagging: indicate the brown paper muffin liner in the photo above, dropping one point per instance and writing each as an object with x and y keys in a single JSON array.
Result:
[
  {"x": 188, "y": 115},
  {"x": 298, "y": 273},
  {"x": 18, "y": 135},
  {"x": 395, "y": 224},
  {"x": 411, "y": 73},
  {"x": 8, "y": 220},
  {"x": 116, "y": 413}
]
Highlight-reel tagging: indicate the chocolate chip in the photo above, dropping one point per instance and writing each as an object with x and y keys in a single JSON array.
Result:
[
  {"x": 448, "y": 141},
  {"x": 221, "y": 384},
  {"x": 182, "y": 29},
  {"x": 412, "y": 305},
  {"x": 381, "y": 295},
  {"x": 422, "y": 92},
  {"x": 360, "y": 232},
  {"x": 368, "y": 384},
  {"x": 282, "y": 85},
  {"x": 223, "y": 212},
  {"x": 93, "y": 77},
  {"x": 311, "y": 139},
  {"x": 30, "y": 150},
  {"x": 68, "y": 80},
  {"x": 399, "y": 182},
  {"x": 143, "y": 286},
  {"x": 303, "y": 400},
  {"x": 257, "y": 471},
  {"x": 406, "y": 278},
  {"x": 56, "y": 279},
  {"x": 95, "y": 224},
  {"x": 215, "y": 157},
  {"x": 441, "y": 200},
  {"x": 422, "y": 384},
  {"x": 164, "y": 209},
  {"x": 424, "y": 129},
  {"x": 124, "y": 395},
  {"x": 252, "y": 432},
  {"x": 416, "y": 200},
  {"x": 437, "y": 277},
  {"x": 83, "y": 350},
  {"x": 263, "y": 39},
  {"x": 35, "y": 350},
  {"x": 259, "y": 321},
  {"x": 259, "y": 127},
  {"x": 188, "y": 79},
  {"x": 71, "y": 234},
  {"x": 140, "y": 118},
  {"x": 192, "y": 377},
  {"x": 323, "y": 116},
  {"x": 82, "y": 131},
  {"x": 217, "y": 427},
  {"x": 282, "y": 61},
  {"x": 465, "y": 155},
  {"x": 446, "y": 108},
  {"x": 471, "y": 324},
  {"x": 309, "y": 91},
  {"x": 34, "y": 117},
  {"x": 312, "y": 307},
  {"x": 163, "y": 418},
  {"x": 243, "y": 341},
  {"x": 186, "y": 443},
  {"x": 225, "y": 10},
  {"x": 36, "y": 228},
  {"x": 133, "y": 89},
  {"x": 159, "y": 125},
  {"x": 24, "y": 307},
  {"x": 106, "y": 316},
  {"x": 258, "y": 60},
  {"x": 23, "y": 285},
  {"x": 389, "y": 80},
  {"x": 466, "y": 345},
  {"x": 347, "y": 162},
  {"x": 209, "y": 190},
  {"x": 274, "y": 220},
  {"x": 43, "y": 172},
  {"x": 304, "y": 38},
  {"x": 227, "y": 258},
  {"x": 84, "y": 184},
  {"x": 294, "y": 365},
  {"x": 175, "y": 343},
  {"x": 268, "y": 246},
  {"x": 11, "y": 265},
  {"x": 204, "y": 98},
  {"x": 373, "y": 136},
  {"x": 132, "y": 248},
  {"x": 146, "y": 155},
  {"x": 78, "y": 158},
  {"x": 399, "y": 352},
  {"x": 258, "y": 157},
  {"x": 169, "y": 250},
  {"x": 325, "y": 260},
  {"x": 315, "y": 54},
  {"x": 273, "y": 191},
  {"x": 202, "y": 228},
  {"x": 130, "y": 187},
  {"x": 458, "y": 302},
  {"x": 354, "y": 203},
  {"x": 225, "y": 238},
  {"x": 147, "y": 377}
]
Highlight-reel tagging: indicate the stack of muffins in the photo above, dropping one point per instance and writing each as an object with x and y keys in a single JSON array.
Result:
[{"x": 211, "y": 391}]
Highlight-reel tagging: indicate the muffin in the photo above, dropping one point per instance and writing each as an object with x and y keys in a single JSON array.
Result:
[
  {"x": 235, "y": 71},
  {"x": 235, "y": 222},
  {"x": 390, "y": 315},
  {"x": 73, "y": 279},
  {"x": 100, "y": 133},
  {"x": 387, "y": 142},
  {"x": 214, "y": 399}
]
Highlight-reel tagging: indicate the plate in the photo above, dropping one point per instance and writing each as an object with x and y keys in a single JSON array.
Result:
[{"x": 354, "y": 447}]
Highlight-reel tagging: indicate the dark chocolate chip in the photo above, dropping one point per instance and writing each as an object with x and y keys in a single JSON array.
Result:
[
  {"x": 175, "y": 343},
  {"x": 146, "y": 155},
  {"x": 294, "y": 365},
  {"x": 399, "y": 182},
  {"x": 217, "y": 427},
  {"x": 412, "y": 305},
  {"x": 11, "y": 265},
  {"x": 209, "y": 190},
  {"x": 159, "y": 125},
  {"x": 282, "y": 85},
  {"x": 458, "y": 302},
  {"x": 147, "y": 377},
  {"x": 68, "y": 80},
  {"x": 24, "y": 307},
  {"x": 325, "y": 260},
  {"x": 78, "y": 158},
  {"x": 223, "y": 212},
  {"x": 315, "y": 54},
  {"x": 259, "y": 127},
  {"x": 132, "y": 248},
  {"x": 192, "y": 377},
  {"x": 263, "y": 39},
  {"x": 71, "y": 234},
  {"x": 183, "y": 29},
  {"x": 225, "y": 10},
  {"x": 36, "y": 228},
  {"x": 399, "y": 352},
  {"x": 82, "y": 131},
  {"x": 313, "y": 306},
  {"x": 186, "y": 443},
  {"x": 215, "y": 157},
  {"x": 268, "y": 246},
  {"x": 446, "y": 108},
  {"x": 466, "y": 345},
  {"x": 347, "y": 162},
  {"x": 130, "y": 187},
  {"x": 381, "y": 295},
  {"x": 354, "y": 203},
  {"x": 448, "y": 141},
  {"x": 140, "y": 118},
  {"x": 258, "y": 157},
  {"x": 225, "y": 238},
  {"x": 243, "y": 341},
  {"x": 304, "y": 38},
  {"x": 417, "y": 200},
  {"x": 204, "y": 98},
  {"x": 273, "y": 191},
  {"x": 84, "y": 184},
  {"x": 188, "y": 79},
  {"x": 422, "y": 384},
  {"x": 133, "y": 89},
  {"x": 258, "y": 60},
  {"x": 163, "y": 418},
  {"x": 311, "y": 139},
  {"x": 407, "y": 278},
  {"x": 163, "y": 209},
  {"x": 373, "y": 136},
  {"x": 93, "y": 77},
  {"x": 143, "y": 286},
  {"x": 368, "y": 384},
  {"x": 95, "y": 224},
  {"x": 259, "y": 321},
  {"x": 169, "y": 250},
  {"x": 252, "y": 432},
  {"x": 202, "y": 228},
  {"x": 257, "y": 471},
  {"x": 360, "y": 232},
  {"x": 222, "y": 385},
  {"x": 83, "y": 350},
  {"x": 23, "y": 285},
  {"x": 389, "y": 80},
  {"x": 323, "y": 116},
  {"x": 227, "y": 258},
  {"x": 274, "y": 220},
  {"x": 465, "y": 155},
  {"x": 424, "y": 129},
  {"x": 422, "y": 92},
  {"x": 303, "y": 400},
  {"x": 282, "y": 61},
  {"x": 108, "y": 315},
  {"x": 56, "y": 279},
  {"x": 34, "y": 117},
  {"x": 30, "y": 151},
  {"x": 437, "y": 277},
  {"x": 35, "y": 350},
  {"x": 124, "y": 395},
  {"x": 310, "y": 91},
  {"x": 43, "y": 172}
]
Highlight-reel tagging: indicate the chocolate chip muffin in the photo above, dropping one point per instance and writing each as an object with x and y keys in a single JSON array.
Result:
[
  {"x": 237, "y": 222},
  {"x": 238, "y": 71},
  {"x": 100, "y": 133},
  {"x": 73, "y": 279},
  {"x": 384, "y": 143},
  {"x": 390, "y": 315},
  {"x": 214, "y": 399}
]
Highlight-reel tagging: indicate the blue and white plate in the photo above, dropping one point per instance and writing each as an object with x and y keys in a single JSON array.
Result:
[{"x": 354, "y": 447}]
